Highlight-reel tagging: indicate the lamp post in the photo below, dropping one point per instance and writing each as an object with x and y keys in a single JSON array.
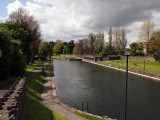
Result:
[{"x": 127, "y": 53}]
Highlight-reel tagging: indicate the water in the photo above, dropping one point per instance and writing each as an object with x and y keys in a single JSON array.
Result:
[{"x": 104, "y": 89}]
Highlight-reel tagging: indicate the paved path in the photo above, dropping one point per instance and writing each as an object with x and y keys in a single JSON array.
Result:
[{"x": 50, "y": 100}]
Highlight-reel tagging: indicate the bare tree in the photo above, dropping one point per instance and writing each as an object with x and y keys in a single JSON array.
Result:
[
  {"x": 99, "y": 42},
  {"x": 92, "y": 39},
  {"x": 123, "y": 40},
  {"x": 110, "y": 37},
  {"x": 120, "y": 41},
  {"x": 145, "y": 33}
]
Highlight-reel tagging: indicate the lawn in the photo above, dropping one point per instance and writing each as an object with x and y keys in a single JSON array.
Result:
[{"x": 150, "y": 67}]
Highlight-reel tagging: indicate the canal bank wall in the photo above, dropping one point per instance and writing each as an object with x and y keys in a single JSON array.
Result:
[{"x": 139, "y": 73}]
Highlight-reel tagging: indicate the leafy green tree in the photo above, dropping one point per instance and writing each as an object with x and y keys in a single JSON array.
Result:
[
  {"x": 66, "y": 50},
  {"x": 70, "y": 46},
  {"x": 19, "y": 34},
  {"x": 5, "y": 60},
  {"x": 134, "y": 48},
  {"x": 17, "y": 59},
  {"x": 45, "y": 49},
  {"x": 31, "y": 43},
  {"x": 58, "y": 48},
  {"x": 140, "y": 48},
  {"x": 12, "y": 59}
]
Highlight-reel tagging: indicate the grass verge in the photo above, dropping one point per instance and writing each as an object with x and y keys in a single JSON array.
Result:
[
  {"x": 88, "y": 116},
  {"x": 35, "y": 110},
  {"x": 64, "y": 57},
  {"x": 147, "y": 66},
  {"x": 31, "y": 68}
]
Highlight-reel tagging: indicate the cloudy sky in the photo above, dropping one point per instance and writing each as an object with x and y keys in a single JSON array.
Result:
[{"x": 73, "y": 19}]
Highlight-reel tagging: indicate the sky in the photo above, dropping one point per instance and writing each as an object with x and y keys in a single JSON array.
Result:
[{"x": 75, "y": 19}]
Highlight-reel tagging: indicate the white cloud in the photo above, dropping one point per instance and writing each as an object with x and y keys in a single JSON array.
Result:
[
  {"x": 13, "y": 6},
  {"x": 72, "y": 19}
]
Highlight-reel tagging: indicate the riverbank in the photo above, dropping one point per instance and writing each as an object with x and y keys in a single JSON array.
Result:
[{"x": 122, "y": 69}]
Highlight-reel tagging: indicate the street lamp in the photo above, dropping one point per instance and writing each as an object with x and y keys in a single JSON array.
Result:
[{"x": 127, "y": 53}]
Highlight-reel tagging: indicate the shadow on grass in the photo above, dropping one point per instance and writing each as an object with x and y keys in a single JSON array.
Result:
[{"x": 35, "y": 110}]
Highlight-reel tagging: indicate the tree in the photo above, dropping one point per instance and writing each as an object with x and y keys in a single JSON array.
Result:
[
  {"x": 27, "y": 22},
  {"x": 92, "y": 39},
  {"x": 5, "y": 60},
  {"x": 145, "y": 33},
  {"x": 120, "y": 40},
  {"x": 58, "y": 48},
  {"x": 66, "y": 50},
  {"x": 110, "y": 37},
  {"x": 12, "y": 59},
  {"x": 140, "y": 48},
  {"x": 78, "y": 49},
  {"x": 123, "y": 41},
  {"x": 70, "y": 46},
  {"x": 98, "y": 43},
  {"x": 134, "y": 48},
  {"x": 45, "y": 49},
  {"x": 17, "y": 59},
  {"x": 154, "y": 43}
]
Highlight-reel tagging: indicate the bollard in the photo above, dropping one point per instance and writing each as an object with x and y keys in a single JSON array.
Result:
[
  {"x": 87, "y": 107},
  {"x": 82, "y": 106}
]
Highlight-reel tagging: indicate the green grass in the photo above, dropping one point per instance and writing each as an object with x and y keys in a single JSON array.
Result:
[
  {"x": 150, "y": 67},
  {"x": 88, "y": 116},
  {"x": 49, "y": 66},
  {"x": 33, "y": 66},
  {"x": 63, "y": 57},
  {"x": 35, "y": 110}
]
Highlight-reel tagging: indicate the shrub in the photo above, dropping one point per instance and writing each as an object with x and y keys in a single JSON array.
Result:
[
  {"x": 157, "y": 57},
  {"x": 114, "y": 57}
]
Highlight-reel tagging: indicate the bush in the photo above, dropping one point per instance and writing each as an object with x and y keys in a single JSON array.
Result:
[
  {"x": 114, "y": 57},
  {"x": 157, "y": 57}
]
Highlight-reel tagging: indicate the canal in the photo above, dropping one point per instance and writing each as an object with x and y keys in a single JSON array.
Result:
[{"x": 104, "y": 89}]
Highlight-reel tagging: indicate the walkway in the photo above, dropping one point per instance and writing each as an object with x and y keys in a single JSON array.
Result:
[{"x": 50, "y": 100}]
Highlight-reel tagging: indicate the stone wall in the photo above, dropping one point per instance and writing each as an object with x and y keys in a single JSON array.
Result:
[{"x": 12, "y": 102}]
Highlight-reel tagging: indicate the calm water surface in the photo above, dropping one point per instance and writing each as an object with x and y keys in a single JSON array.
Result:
[{"x": 104, "y": 89}]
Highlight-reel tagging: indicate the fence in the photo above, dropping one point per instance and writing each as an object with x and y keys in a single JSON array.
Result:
[{"x": 12, "y": 102}]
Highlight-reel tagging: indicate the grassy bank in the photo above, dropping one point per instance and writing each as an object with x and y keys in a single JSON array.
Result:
[
  {"x": 63, "y": 57},
  {"x": 33, "y": 66},
  {"x": 88, "y": 116},
  {"x": 147, "y": 66},
  {"x": 35, "y": 110}
]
